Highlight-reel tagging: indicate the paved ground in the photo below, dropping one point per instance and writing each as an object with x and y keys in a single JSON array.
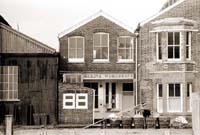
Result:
[{"x": 43, "y": 131}]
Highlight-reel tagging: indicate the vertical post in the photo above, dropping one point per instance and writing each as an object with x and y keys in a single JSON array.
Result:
[
  {"x": 8, "y": 125},
  {"x": 196, "y": 113}
]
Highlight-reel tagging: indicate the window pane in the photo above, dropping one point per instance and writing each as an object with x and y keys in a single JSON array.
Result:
[
  {"x": 79, "y": 53},
  {"x": 107, "y": 93},
  {"x": 160, "y": 90},
  {"x": 187, "y": 38},
  {"x": 170, "y": 52},
  {"x": 1, "y": 94},
  {"x": 122, "y": 42},
  {"x": 128, "y": 42},
  {"x": 68, "y": 103},
  {"x": 171, "y": 90},
  {"x": 187, "y": 52},
  {"x": 177, "y": 38},
  {"x": 5, "y": 94},
  {"x": 177, "y": 90},
  {"x": 159, "y": 53},
  {"x": 127, "y": 86},
  {"x": 159, "y": 38},
  {"x": 104, "y": 40},
  {"x": 98, "y": 52},
  {"x": 128, "y": 53},
  {"x": 81, "y": 103},
  {"x": 80, "y": 43},
  {"x": 177, "y": 52},
  {"x": 170, "y": 38},
  {"x": 97, "y": 40},
  {"x": 72, "y": 53},
  {"x": 72, "y": 43},
  {"x": 104, "y": 52},
  {"x": 122, "y": 54},
  {"x": 188, "y": 90}
]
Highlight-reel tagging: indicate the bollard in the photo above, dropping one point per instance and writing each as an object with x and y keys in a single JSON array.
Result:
[{"x": 8, "y": 125}]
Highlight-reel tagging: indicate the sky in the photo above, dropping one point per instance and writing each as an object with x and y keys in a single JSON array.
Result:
[{"x": 43, "y": 20}]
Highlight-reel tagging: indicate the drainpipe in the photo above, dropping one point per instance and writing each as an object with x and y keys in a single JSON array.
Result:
[{"x": 136, "y": 70}]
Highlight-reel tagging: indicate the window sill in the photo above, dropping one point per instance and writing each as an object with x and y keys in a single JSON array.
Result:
[
  {"x": 100, "y": 62},
  {"x": 9, "y": 100},
  {"x": 125, "y": 62},
  {"x": 176, "y": 61},
  {"x": 113, "y": 110},
  {"x": 75, "y": 62}
]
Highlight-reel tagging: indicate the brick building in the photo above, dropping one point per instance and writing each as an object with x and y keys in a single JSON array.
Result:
[
  {"x": 28, "y": 78},
  {"x": 100, "y": 51},
  {"x": 168, "y": 58}
]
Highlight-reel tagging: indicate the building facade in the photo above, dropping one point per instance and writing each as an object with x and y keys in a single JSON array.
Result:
[
  {"x": 28, "y": 78},
  {"x": 101, "y": 51},
  {"x": 168, "y": 58}
]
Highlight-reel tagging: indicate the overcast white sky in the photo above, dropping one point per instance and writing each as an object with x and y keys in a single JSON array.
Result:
[{"x": 45, "y": 19}]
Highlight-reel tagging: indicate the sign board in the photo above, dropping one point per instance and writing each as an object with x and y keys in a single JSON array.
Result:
[{"x": 103, "y": 76}]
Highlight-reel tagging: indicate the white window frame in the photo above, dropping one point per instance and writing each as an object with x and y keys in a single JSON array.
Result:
[
  {"x": 94, "y": 53},
  {"x": 174, "y": 45},
  {"x": 76, "y": 60},
  {"x": 8, "y": 75},
  {"x": 157, "y": 47},
  {"x": 82, "y": 100},
  {"x": 181, "y": 98},
  {"x": 125, "y": 60},
  {"x": 158, "y": 98},
  {"x": 189, "y": 45},
  {"x": 69, "y": 100}
]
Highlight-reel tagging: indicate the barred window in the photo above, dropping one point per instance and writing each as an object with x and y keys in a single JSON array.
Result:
[{"x": 8, "y": 83}]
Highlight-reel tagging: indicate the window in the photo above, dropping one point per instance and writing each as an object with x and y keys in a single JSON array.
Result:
[
  {"x": 113, "y": 95},
  {"x": 173, "y": 45},
  {"x": 127, "y": 87},
  {"x": 69, "y": 101},
  {"x": 174, "y": 98},
  {"x": 125, "y": 49},
  {"x": 189, "y": 100},
  {"x": 82, "y": 101},
  {"x": 188, "y": 45},
  {"x": 159, "y": 46},
  {"x": 75, "y": 101},
  {"x": 101, "y": 47},
  {"x": 159, "y": 98},
  {"x": 94, "y": 86},
  {"x": 76, "y": 49},
  {"x": 8, "y": 83}
]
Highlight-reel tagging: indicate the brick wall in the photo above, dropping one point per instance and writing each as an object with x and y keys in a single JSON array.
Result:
[
  {"x": 75, "y": 117},
  {"x": 100, "y": 24},
  {"x": 189, "y": 9}
]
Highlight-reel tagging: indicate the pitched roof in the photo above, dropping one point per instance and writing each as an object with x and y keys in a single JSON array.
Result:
[
  {"x": 169, "y": 7},
  {"x": 168, "y": 3},
  {"x": 2, "y": 20},
  {"x": 96, "y": 15}
]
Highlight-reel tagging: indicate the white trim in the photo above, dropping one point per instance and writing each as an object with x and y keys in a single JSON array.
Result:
[
  {"x": 69, "y": 100},
  {"x": 157, "y": 99},
  {"x": 181, "y": 98},
  {"x": 157, "y": 48},
  {"x": 96, "y": 15},
  {"x": 132, "y": 50},
  {"x": 161, "y": 12},
  {"x": 161, "y": 72},
  {"x": 94, "y": 52},
  {"x": 175, "y": 20},
  {"x": 76, "y": 60},
  {"x": 189, "y": 45},
  {"x": 82, "y": 100},
  {"x": 179, "y": 28}
]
